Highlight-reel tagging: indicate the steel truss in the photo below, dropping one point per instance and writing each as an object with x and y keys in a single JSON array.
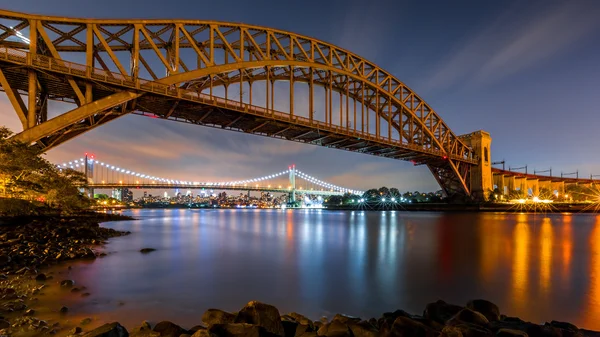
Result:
[{"x": 192, "y": 67}]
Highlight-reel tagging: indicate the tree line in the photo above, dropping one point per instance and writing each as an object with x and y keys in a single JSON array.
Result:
[{"x": 29, "y": 184}]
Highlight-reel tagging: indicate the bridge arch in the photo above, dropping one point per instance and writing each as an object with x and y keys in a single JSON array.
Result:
[{"x": 199, "y": 55}]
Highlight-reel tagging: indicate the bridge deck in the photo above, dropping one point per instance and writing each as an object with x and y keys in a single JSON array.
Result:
[
  {"x": 206, "y": 187},
  {"x": 569, "y": 180}
]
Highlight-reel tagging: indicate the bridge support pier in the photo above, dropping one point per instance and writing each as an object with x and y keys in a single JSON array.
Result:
[
  {"x": 534, "y": 185},
  {"x": 559, "y": 187},
  {"x": 292, "y": 195},
  {"x": 481, "y": 179}
]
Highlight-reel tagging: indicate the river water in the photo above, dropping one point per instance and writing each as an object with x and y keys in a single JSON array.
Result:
[{"x": 538, "y": 267}]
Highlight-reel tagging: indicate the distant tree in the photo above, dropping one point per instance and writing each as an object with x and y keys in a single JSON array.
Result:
[
  {"x": 371, "y": 194},
  {"x": 394, "y": 192},
  {"x": 384, "y": 191},
  {"x": 334, "y": 200}
]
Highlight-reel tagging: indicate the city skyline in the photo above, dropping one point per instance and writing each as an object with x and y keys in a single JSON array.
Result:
[{"x": 518, "y": 48}]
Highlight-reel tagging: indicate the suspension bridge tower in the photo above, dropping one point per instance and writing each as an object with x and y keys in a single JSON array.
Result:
[
  {"x": 89, "y": 174},
  {"x": 481, "y": 179},
  {"x": 292, "y": 194}
]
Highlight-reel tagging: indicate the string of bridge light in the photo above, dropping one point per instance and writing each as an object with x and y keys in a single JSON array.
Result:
[
  {"x": 81, "y": 163},
  {"x": 325, "y": 184}
]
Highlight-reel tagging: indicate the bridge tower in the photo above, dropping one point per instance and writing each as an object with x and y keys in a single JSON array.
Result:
[
  {"x": 89, "y": 174},
  {"x": 481, "y": 177},
  {"x": 292, "y": 194}
]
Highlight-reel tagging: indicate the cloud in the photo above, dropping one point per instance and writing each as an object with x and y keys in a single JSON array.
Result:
[
  {"x": 8, "y": 116},
  {"x": 520, "y": 37}
]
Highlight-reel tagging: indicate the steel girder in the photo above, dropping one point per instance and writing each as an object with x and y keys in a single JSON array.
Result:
[{"x": 189, "y": 60}]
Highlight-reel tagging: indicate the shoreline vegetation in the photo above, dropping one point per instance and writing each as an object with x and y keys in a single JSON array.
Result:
[{"x": 28, "y": 248}]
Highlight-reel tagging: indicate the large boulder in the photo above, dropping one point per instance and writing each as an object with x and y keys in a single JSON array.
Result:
[
  {"x": 301, "y": 319},
  {"x": 564, "y": 325},
  {"x": 334, "y": 328},
  {"x": 441, "y": 311},
  {"x": 487, "y": 308},
  {"x": 169, "y": 329},
  {"x": 263, "y": 315},
  {"x": 345, "y": 319},
  {"x": 467, "y": 315},
  {"x": 405, "y": 326},
  {"x": 108, "y": 330},
  {"x": 363, "y": 329},
  {"x": 144, "y": 331},
  {"x": 216, "y": 316}
]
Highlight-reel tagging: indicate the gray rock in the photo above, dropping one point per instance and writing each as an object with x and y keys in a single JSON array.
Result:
[
  {"x": 144, "y": 331},
  {"x": 363, "y": 329},
  {"x": 405, "y": 326},
  {"x": 41, "y": 277},
  {"x": 441, "y": 311},
  {"x": 261, "y": 314},
  {"x": 467, "y": 315},
  {"x": 169, "y": 329},
  {"x": 301, "y": 319},
  {"x": 67, "y": 283},
  {"x": 64, "y": 309},
  {"x": 147, "y": 250},
  {"x": 487, "y": 308},
  {"x": 345, "y": 319},
  {"x": 216, "y": 316},
  {"x": 335, "y": 328},
  {"x": 564, "y": 326},
  {"x": 108, "y": 330}
]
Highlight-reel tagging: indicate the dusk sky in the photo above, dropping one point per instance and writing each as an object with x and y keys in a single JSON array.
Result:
[{"x": 528, "y": 72}]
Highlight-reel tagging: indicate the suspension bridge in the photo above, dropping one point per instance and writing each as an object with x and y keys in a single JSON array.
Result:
[{"x": 103, "y": 175}]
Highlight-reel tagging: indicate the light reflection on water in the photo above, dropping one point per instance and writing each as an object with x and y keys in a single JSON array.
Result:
[{"x": 538, "y": 267}]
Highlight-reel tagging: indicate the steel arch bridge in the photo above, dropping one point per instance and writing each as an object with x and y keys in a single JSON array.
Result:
[{"x": 225, "y": 75}]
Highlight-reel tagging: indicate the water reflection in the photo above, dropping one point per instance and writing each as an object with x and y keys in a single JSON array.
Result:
[
  {"x": 546, "y": 255},
  {"x": 360, "y": 263},
  {"x": 592, "y": 313}
]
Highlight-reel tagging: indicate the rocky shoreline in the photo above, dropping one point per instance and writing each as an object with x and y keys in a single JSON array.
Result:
[
  {"x": 26, "y": 250},
  {"x": 28, "y": 245}
]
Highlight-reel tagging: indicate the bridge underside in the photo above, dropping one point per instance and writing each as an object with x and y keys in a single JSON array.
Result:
[{"x": 223, "y": 117}]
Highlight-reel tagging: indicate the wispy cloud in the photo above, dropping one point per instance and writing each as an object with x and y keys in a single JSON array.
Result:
[{"x": 518, "y": 38}]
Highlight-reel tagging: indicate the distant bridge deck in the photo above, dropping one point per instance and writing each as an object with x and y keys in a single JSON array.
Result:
[
  {"x": 567, "y": 180},
  {"x": 211, "y": 187}
]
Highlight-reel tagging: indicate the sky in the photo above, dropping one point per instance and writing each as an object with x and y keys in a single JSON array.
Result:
[{"x": 525, "y": 71}]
